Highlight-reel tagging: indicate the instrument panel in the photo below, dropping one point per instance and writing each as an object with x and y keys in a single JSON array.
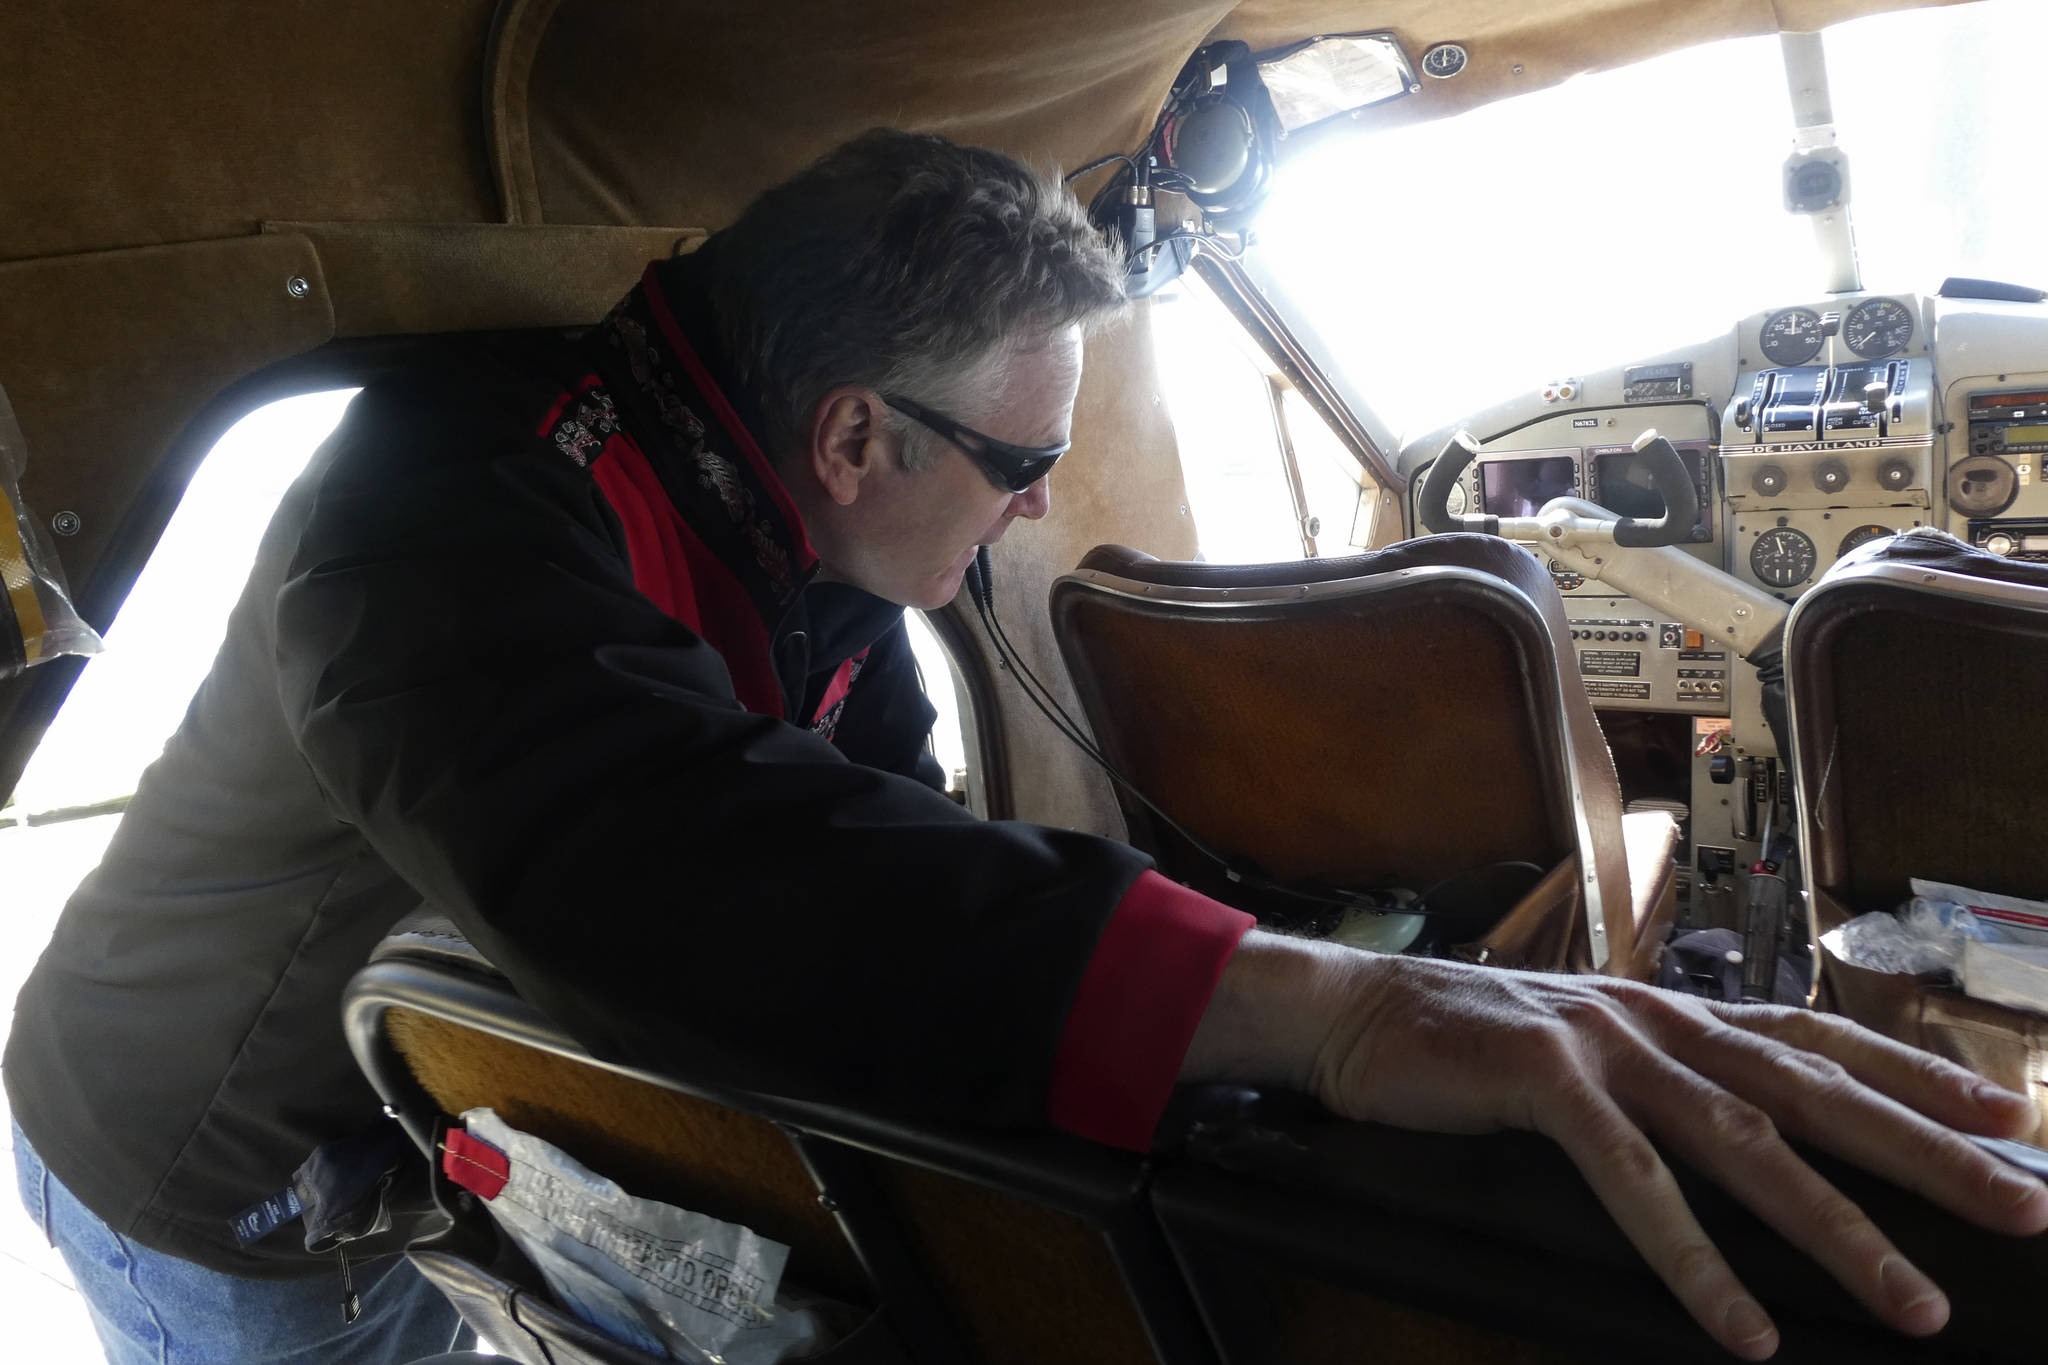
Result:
[{"x": 1810, "y": 429}]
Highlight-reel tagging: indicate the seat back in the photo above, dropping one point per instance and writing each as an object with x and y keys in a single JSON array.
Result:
[
  {"x": 1913, "y": 677},
  {"x": 959, "y": 1239},
  {"x": 1395, "y": 718},
  {"x": 1913, "y": 681}
]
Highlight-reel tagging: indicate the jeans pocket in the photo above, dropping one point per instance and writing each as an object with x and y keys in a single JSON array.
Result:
[{"x": 32, "y": 1181}]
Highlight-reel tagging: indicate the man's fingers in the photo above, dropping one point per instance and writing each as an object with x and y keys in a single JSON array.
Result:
[
  {"x": 1637, "y": 1189},
  {"x": 1832, "y": 1105},
  {"x": 1736, "y": 1143},
  {"x": 1940, "y": 1089}
]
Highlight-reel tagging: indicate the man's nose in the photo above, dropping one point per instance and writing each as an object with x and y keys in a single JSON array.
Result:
[{"x": 1034, "y": 502}]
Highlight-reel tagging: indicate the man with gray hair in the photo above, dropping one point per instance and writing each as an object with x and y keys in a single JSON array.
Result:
[{"x": 597, "y": 647}]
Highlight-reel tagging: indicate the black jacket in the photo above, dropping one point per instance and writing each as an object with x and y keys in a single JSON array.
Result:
[{"x": 534, "y": 640}]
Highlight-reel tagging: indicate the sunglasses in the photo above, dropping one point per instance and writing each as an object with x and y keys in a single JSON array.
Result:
[{"x": 1010, "y": 468}]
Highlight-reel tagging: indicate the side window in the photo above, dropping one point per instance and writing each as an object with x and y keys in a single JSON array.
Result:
[
  {"x": 130, "y": 698},
  {"x": 935, "y": 668},
  {"x": 1266, "y": 477}
]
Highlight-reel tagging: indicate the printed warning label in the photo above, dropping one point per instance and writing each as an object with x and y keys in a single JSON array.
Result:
[
  {"x": 1618, "y": 690},
  {"x": 1610, "y": 663}
]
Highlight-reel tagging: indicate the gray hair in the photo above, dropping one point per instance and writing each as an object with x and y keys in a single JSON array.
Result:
[{"x": 908, "y": 264}]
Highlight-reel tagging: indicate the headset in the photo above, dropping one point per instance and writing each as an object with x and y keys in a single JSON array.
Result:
[{"x": 1215, "y": 142}]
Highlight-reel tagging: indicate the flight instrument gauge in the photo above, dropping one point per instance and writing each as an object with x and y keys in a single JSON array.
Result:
[
  {"x": 1876, "y": 328},
  {"x": 1782, "y": 557},
  {"x": 1792, "y": 336},
  {"x": 1863, "y": 535}
]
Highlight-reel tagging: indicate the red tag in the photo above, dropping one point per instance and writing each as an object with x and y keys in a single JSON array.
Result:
[{"x": 474, "y": 1164}]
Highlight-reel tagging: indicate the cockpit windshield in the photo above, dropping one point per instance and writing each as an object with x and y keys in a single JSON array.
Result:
[{"x": 1448, "y": 264}]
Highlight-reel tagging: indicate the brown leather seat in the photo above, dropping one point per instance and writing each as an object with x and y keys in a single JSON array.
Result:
[
  {"x": 1394, "y": 718},
  {"x": 1914, "y": 681}
]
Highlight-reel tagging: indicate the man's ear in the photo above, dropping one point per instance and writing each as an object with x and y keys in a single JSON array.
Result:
[{"x": 850, "y": 440}]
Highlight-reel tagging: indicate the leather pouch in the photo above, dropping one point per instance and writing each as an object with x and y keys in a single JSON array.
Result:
[{"x": 2008, "y": 1046}]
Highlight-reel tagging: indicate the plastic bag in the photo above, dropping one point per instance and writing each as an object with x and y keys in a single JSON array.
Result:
[
  {"x": 1925, "y": 937},
  {"x": 657, "y": 1277},
  {"x": 37, "y": 621}
]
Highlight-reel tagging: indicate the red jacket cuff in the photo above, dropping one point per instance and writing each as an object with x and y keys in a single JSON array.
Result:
[{"x": 1143, "y": 993}]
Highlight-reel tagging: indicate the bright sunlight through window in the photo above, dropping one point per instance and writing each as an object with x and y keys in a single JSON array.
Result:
[{"x": 1455, "y": 263}]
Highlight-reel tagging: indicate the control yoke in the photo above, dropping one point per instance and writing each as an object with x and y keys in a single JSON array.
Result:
[
  {"x": 1636, "y": 555},
  {"x": 1667, "y": 475}
]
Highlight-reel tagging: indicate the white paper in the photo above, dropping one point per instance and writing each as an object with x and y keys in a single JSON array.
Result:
[
  {"x": 2007, "y": 974},
  {"x": 666, "y": 1280}
]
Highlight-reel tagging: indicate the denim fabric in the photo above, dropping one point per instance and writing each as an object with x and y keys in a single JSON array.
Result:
[{"x": 153, "y": 1309}]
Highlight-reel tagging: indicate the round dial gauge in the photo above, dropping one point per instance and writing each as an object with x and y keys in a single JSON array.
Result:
[
  {"x": 1863, "y": 535},
  {"x": 1782, "y": 557},
  {"x": 1876, "y": 328},
  {"x": 1792, "y": 337}
]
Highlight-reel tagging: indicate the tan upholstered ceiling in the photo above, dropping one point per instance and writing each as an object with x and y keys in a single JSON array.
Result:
[{"x": 144, "y": 147}]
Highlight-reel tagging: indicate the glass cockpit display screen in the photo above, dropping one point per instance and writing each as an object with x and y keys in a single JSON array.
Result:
[
  {"x": 1519, "y": 488},
  {"x": 1622, "y": 485}
]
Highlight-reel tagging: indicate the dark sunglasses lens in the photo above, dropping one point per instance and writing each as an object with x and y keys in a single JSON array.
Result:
[{"x": 1021, "y": 474}]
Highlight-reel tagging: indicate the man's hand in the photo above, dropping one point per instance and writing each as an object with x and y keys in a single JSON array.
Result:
[{"x": 1601, "y": 1066}]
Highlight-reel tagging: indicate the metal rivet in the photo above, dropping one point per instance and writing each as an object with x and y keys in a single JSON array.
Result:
[
  {"x": 1518, "y": 68},
  {"x": 66, "y": 523},
  {"x": 828, "y": 1203},
  {"x": 298, "y": 286},
  {"x": 1314, "y": 526}
]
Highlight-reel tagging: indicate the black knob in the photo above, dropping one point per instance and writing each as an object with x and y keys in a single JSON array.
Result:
[
  {"x": 1721, "y": 769},
  {"x": 1874, "y": 394},
  {"x": 1770, "y": 481},
  {"x": 1742, "y": 413},
  {"x": 1895, "y": 475},
  {"x": 1831, "y": 476}
]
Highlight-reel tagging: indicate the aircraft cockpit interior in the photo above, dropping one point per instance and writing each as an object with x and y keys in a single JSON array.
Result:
[
  {"x": 1851, "y": 401},
  {"x": 1553, "y": 508}
]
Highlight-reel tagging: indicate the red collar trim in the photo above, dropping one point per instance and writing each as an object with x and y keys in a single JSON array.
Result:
[{"x": 722, "y": 407}]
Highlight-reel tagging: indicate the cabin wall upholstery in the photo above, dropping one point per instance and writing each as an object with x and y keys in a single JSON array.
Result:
[
  {"x": 1124, "y": 472},
  {"x": 166, "y": 326},
  {"x": 130, "y": 124},
  {"x": 405, "y": 279}
]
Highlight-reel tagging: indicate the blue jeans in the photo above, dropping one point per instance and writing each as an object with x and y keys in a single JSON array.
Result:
[{"x": 154, "y": 1309}]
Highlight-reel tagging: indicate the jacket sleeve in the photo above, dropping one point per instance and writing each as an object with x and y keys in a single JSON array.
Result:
[{"x": 681, "y": 884}]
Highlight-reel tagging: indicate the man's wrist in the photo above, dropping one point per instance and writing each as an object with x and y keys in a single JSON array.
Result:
[{"x": 1273, "y": 1010}]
